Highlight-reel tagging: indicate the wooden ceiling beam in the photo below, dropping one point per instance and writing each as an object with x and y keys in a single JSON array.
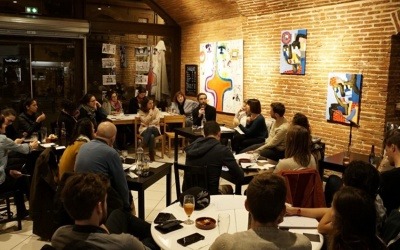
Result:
[
  {"x": 157, "y": 9},
  {"x": 118, "y": 27}
]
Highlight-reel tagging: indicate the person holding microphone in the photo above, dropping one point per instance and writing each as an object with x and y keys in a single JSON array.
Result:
[{"x": 203, "y": 111}]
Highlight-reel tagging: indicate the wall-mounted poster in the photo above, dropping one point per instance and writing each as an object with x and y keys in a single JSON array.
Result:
[
  {"x": 109, "y": 80},
  {"x": 108, "y": 48},
  {"x": 141, "y": 79},
  {"x": 191, "y": 80},
  {"x": 108, "y": 63},
  {"x": 344, "y": 97},
  {"x": 293, "y": 52},
  {"x": 221, "y": 74}
]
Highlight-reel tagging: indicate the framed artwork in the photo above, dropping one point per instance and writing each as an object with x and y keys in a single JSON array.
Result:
[
  {"x": 108, "y": 63},
  {"x": 191, "y": 80},
  {"x": 221, "y": 74},
  {"x": 108, "y": 49},
  {"x": 293, "y": 52},
  {"x": 344, "y": 98},
  {"x": 109, "y": 80}
]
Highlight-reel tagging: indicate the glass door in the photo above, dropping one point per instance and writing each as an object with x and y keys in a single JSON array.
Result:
[{"x": 47, "y": 69}]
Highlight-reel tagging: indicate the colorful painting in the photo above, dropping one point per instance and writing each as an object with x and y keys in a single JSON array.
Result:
[
  {"x": 293, "y": 52},
  {"x": 221, "y": 74},
  {"x": 344, "y": 98}
]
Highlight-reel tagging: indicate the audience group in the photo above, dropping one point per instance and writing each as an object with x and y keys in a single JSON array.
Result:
[{"x": 361, "y": 214}]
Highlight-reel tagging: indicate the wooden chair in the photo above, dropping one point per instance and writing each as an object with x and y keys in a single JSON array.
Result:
[
  {"x": 304, "y": 188},
  {"x": 6, "y": 196},
  {"x": 158, "y": 138},
  {"x": 176, "y": 119},
  {"x": 195, "y": 176}
]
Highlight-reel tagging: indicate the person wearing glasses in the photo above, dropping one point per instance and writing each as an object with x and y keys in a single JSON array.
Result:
[
  {"x": 91, "y": 109},
  {"x": 203, "y": 110},
  {"x": 112, "y": 106}
]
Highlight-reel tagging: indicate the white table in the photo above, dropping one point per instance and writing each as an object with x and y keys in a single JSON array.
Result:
[{"x": 232, "y": 204}]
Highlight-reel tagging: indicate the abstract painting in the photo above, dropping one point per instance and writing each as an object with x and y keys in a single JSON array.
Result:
[
  {"x": 344, "y": 98},
  {"x": 221, "y": 74},
  {"x": 293, "y": 52}
]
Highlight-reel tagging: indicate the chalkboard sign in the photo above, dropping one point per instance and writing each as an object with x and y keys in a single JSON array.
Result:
[{"x": 191, "y": 80}]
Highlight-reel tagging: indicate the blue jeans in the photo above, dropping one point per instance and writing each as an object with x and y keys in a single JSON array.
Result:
[{"x": 148, "y": 137}]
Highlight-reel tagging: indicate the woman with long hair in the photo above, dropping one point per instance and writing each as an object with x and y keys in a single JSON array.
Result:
[
  {"x": 183, "y": 106},
  {"x": 91, "y": 108},
  {"x": 83, "y": 132},
  {"x": 149, "y": 124},
  {"x": 255, "y": 130},
  {"x": 112, "y": 105},
  {"x": 298, "y": 150},
  {"x": 354, "y": 221}
]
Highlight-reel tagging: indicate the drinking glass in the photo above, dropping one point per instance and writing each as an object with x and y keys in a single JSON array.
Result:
[
  {"x": 223, "y": 223},
  {"x": 146, "y": 165},
  {"x": 188, "y": 206},
  {"x": 346, "y": 157},
  {"x": 124, "y": 154},
  {"x": 254, "y": 157},
  {"x": 43, "y": 134}
]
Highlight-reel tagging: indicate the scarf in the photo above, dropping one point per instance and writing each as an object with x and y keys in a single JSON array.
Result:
[{"x": 116, "y": 106}]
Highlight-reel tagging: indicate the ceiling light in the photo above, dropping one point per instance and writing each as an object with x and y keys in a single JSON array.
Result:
[
  {"x": 15, "y": 1},
  {"x": 98, "y": 8}
]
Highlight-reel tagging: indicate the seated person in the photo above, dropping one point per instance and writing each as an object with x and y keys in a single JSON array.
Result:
[
  {"x": 203, "y": 111},
  {"x": 135, "y": 102},
  {"x": 354, "y": 221},
  {"x": 265, "y": 202},
  {"x": 149, "y": 125},
  {"x": 298, "y": 150},
  {"x": 10, "y": 115},
  {"x": 13, "y": 179},
  {"x": 84, "y": 198},
  {"x": 90, "y": 108},
  {"x": 83, "y": 133},
  {"x": 29, "y": 121},
  {"x": 112, "y": 105},
  {"x": 358, "y": 174},
  {"x": 68, "y": 115},
  {"x": 208, "y": 151},
  {"x": 255, "y": 130},
  {"x": 390, "y": 185},
  {"x": 274, "y": 146},
  {"x": 184, "y": 106}
]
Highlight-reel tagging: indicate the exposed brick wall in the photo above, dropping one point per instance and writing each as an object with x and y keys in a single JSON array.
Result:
[{"x": 348, "y": 37}]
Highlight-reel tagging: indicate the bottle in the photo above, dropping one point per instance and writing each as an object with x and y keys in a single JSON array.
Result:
[
  {"x": 139, "y": 157},
  {"x": 229, "y": 145},
  {"x": 63, "y": 135},
  {"x": 371, "y": 156}
]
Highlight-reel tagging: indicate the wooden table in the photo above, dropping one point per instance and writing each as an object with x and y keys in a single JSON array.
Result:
[
  {"x": 335, "y": 162},
  {"x": 140, "y": 184},
  {"x": 234, "y": 206}
]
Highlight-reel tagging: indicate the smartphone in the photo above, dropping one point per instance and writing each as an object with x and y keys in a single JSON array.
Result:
[{"x": 190, "y": 239}]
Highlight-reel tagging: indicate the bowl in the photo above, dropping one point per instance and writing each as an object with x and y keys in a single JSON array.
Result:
[{"x": 205, "y": 223}]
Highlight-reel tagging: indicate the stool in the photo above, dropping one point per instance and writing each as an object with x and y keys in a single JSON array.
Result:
[{"x": 6, "y": 198}]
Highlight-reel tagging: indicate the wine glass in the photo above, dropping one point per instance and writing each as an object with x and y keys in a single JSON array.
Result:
[
  {"x": 188, "y": 206},
  {"x": 124, "y": 154},
  {"x": 255, "y": 157}
]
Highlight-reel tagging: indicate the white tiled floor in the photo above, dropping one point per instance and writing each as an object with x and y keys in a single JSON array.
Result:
[{"x": 155, "y": 201}]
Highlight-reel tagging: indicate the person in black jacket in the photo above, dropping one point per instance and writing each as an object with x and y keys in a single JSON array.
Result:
[
  {"x": 91, "y": 109},
  {"x": 203, "y": 110},
  {"x": 208, "y": 151},
  {"x": 134, "y": 103},
  {"x": 29, "y": 121}
]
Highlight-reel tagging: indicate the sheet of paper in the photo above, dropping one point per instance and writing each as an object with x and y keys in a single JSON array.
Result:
[
  {"x": 298, "y": 222},
  {"x": 128, "y": 166},
  {"x": 47, "y": 145},
  {"x": 226, "y": 129},
  {"x": 243, "y": 156},
  {"x": 239, "y": 130},
  {"x": 252, "y": 165},
  {"x": 60, "y": 147}
]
